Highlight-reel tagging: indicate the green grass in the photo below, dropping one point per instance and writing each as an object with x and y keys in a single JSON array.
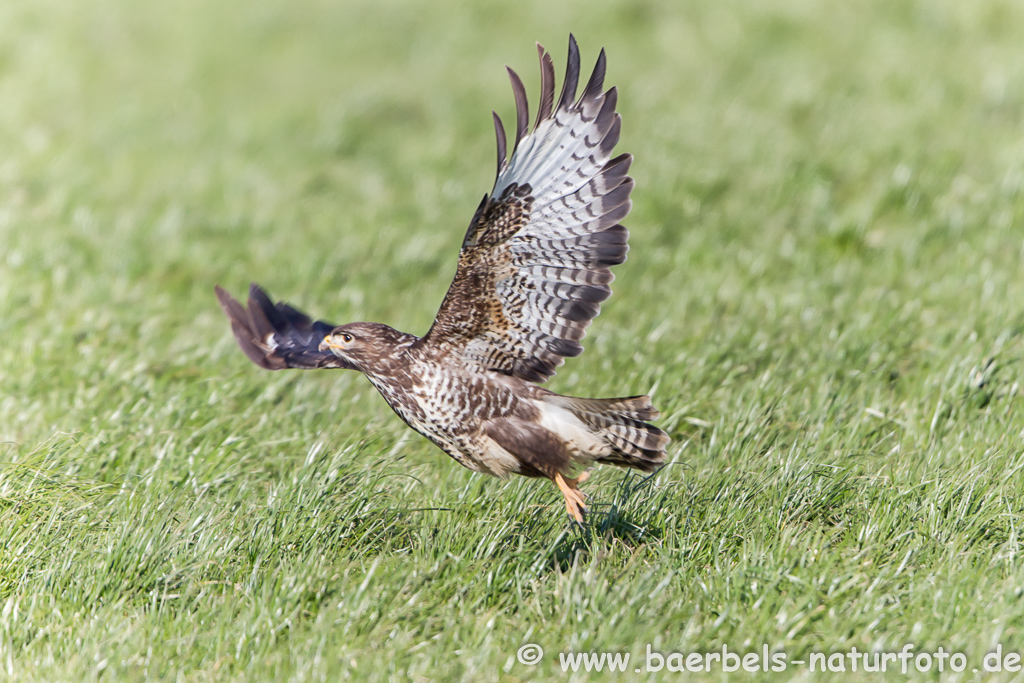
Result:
[{"x": 825, "y": 294}]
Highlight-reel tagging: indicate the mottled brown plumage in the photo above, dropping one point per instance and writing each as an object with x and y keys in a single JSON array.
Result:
[{"x": 533, "y": 270}]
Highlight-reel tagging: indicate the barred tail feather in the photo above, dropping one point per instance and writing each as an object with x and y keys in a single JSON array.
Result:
[
  {"x": 636, "y": 407},
  {"x": 619, "y": 423}
]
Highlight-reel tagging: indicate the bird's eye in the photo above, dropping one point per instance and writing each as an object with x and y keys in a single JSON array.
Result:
[{"x": 346, "y": 337}]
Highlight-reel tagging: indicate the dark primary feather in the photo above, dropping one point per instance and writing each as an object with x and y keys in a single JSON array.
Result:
[
  {"x": 277, "y": 336},
  {"x": 522, "y": 106},
  {"x": 499, "y": 132},
  {"x": 596, "y": 81},
  {"x": 534, "y": 267},
  {"x": 547, "y": 85},
  {"x": 572, "y": 75}
]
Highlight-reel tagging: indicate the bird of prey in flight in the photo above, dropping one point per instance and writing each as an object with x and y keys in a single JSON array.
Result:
[{"x": 532, "y": 273}]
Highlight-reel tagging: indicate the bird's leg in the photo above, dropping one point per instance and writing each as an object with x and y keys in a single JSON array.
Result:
[{"x": 569, "y": 487}]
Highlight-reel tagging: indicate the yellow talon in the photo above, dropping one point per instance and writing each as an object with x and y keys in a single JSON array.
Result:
[{"x": 575, "y": 504}]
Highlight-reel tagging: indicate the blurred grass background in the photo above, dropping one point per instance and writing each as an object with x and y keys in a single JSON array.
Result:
[{"x": 824, "y": 293}]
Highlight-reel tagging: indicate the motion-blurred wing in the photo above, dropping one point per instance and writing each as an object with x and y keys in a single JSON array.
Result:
[
  {"x": 534, "y": 266},
  {"x": 276, "y": 336}
]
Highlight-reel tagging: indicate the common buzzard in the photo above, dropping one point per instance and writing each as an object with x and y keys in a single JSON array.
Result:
[{"x": 532, "y": 273}]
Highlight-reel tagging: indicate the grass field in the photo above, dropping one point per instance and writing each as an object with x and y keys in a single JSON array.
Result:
[{"x": 825, "y": 295}]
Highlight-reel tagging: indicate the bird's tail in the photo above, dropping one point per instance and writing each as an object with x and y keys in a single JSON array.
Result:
[{"x": 619, "y": 422}]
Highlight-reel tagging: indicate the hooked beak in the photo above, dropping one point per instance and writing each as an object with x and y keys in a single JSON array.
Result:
[{"x": 327, "y": 344}]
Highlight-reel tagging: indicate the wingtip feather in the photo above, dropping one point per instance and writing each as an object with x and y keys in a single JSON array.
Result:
[
  {"x": 572, "y": 75},
  {"x": 547, "y": 85},
  {"x": 499, "y": 132},
  {"x": 596, "y": 82},
  {"x": 522, "y": 107}
]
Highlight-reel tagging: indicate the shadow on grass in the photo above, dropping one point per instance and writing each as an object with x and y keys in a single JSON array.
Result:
[{"x": 631, "y": 520}]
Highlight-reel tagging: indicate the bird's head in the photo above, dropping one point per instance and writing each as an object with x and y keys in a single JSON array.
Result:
[{"x": 370, "y": 347}]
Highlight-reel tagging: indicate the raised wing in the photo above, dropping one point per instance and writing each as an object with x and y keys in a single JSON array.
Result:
[
  {"x": 277, "y": 336},
  {"x": 534, "y": 266}
]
